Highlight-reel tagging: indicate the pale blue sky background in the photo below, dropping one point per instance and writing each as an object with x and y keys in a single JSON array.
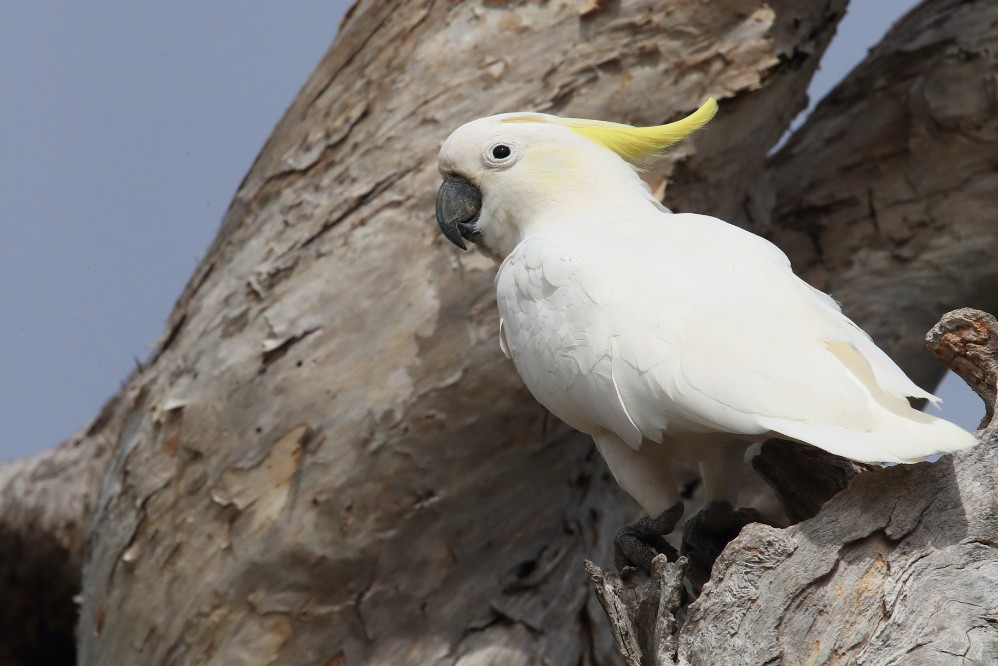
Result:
[{"x": 125, "y": 129}]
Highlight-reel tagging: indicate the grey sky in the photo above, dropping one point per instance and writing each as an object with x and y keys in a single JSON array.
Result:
[{"x": 125, "y": 128}]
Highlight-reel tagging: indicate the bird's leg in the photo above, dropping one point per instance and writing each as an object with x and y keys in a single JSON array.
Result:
[
  {"x": 636, "y": 542},
  {"x": 708, "y": 532},
  {"x": 645, "y": 473}
]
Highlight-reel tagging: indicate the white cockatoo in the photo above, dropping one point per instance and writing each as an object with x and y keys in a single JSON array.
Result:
[{"x": 659, "y": 334}]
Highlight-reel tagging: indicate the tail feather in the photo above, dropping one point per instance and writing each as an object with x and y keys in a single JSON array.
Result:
[
  {"x": 866, "y": 360},
  {"x": 894, "y": 438}
]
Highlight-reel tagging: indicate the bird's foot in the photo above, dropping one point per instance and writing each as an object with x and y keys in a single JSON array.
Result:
[
  {"x": 637, "y": 542},
  {"x": 707, "y": 533}
]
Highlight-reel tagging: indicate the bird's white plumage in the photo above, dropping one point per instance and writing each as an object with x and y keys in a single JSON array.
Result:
[
  {"x": 699, "y": 327},
  {"x": 659, "y": 333}
]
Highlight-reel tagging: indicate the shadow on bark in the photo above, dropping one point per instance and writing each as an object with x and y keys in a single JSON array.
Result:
[{"x": 39, "y": 610}]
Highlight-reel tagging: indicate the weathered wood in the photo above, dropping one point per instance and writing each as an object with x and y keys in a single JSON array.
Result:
[
  {"x": 901, "y": 567},
  {"x": 643, "y": 610},
  {"x": 966, "y": 341}
]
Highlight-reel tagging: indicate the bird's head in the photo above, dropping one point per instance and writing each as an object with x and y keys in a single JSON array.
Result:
[{"x": 506, "y": 174}]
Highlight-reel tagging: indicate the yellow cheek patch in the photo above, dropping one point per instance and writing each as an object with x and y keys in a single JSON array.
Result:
[
  {"x": 548, "y": 164},
  {"x": 631, "y": 143}
]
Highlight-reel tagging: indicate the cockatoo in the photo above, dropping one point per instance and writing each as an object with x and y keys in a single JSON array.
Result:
[{"x": 659, "y": 334}]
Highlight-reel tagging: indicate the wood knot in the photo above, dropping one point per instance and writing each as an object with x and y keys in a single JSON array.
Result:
[{"x": 965, "y": 340}]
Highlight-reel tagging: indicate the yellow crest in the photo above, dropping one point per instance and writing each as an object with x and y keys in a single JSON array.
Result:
[{"x": 633, "y": 144}]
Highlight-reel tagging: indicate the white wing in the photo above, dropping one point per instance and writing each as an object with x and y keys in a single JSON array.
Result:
[{"x": 667, "y": 324}]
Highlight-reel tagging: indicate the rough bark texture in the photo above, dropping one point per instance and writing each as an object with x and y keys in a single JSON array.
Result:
[
  {"x": 900, "y": 568},
  {"x": 888, "y": 194},
  {"x": 643, "y": 611},
  {"x": 966, "y": 341},
  {"x": 328, "y": 460}
]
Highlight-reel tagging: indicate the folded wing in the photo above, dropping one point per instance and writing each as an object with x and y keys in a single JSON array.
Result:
[{"x": 705, "y": 328}]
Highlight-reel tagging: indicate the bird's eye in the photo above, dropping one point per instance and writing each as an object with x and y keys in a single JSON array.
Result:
[{"x": 502, "y": 154}]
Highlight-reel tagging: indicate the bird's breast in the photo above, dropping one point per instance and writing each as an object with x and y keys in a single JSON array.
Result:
[{"x": 557, "y": 334}]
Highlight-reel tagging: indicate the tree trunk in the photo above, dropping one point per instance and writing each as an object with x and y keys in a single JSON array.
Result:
[{"x": 328, "y": 460}]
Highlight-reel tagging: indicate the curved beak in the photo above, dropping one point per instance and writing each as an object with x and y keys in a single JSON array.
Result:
[{"x": 457, "y": 208}]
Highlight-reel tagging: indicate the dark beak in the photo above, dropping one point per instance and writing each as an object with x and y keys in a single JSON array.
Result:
[{"x": 458, "y": 205}]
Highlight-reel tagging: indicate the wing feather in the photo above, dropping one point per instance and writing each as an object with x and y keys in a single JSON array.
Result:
[{"x": 672, "y": 324}]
